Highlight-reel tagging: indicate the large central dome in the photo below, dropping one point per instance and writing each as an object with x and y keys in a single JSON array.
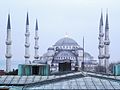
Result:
[{"x": 66, "y": 42}]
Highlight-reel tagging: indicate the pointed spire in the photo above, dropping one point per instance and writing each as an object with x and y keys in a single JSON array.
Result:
[
  {"x": 8, "y": 24},
  {"x": 101, "y": 19},
  {"x": 27, "y": 20},
  {"x": 36, "y": 28},
  {"x": 106, "y": 25}
]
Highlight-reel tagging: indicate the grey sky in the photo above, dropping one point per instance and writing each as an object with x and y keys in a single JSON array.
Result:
[{"x": 56, "y": 17}]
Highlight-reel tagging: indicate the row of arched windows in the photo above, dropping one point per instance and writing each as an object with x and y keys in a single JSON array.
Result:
[
  {"x": 67, "y": 47},
  {"x": 61, "y": 58}
]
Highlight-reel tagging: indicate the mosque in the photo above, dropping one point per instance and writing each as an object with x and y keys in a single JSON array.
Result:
[{"x": 65, "y": 55}]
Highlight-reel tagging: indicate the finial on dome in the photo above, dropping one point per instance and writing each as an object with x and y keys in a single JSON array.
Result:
[{"x": 66, "y": 34}]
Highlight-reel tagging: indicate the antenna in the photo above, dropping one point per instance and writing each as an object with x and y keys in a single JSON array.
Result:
[
  {"x": 66, "y": 34},
  {"x": 83, "y": 55}
]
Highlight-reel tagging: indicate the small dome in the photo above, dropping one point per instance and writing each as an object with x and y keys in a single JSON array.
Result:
[
  {"x": 66, "y": 42},
  {"x": 87, "y": 56},
  {"x": 50, "y": 48}
]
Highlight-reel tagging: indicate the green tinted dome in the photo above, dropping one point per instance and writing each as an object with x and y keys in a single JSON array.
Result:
[{"x": 66, "y": 42}]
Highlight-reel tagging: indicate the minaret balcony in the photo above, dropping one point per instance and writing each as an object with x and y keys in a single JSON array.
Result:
[
  {"x": 27, "y": 44},
  {"x": 106, "y": 42},
  {"x": 101, "y": 34},
  {"x": 36, "y": 47},
  {"x": 107, "y": 56},
  {"x": 100, "y": 46},
  {"x": 27, "y": 56},
  {"x": 8, "y": 55},
  {"x": 36, "y": 38},
  {"x": 101, "y": 57},
  {"x": 8, "y": 42},
  {"x": 27, "y": 34},
  {"x": 36, "y": 56}
]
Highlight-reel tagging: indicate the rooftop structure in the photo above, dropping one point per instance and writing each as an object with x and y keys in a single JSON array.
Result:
[{"x": 75, "y": 80}]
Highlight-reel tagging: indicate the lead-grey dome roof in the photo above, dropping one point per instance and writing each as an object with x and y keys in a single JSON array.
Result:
[
  {"x": 87, "y": 55},
  {"x": 66, "y": 42}
]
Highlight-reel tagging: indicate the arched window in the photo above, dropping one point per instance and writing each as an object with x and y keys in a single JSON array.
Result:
[{"x": 66, "y": 47}]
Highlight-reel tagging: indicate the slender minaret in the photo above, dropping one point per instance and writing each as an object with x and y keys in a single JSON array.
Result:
[
  {"x": 106, "y": 44},
  {"x": 8, "y": 46},
  {"x": 101, "y": 42},
  {"x": 27, "y": 44},
  {"x": 36, "y": 42}
]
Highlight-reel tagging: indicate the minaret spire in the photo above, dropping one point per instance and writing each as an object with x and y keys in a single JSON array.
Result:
[
  {"x": 101, "y": 42},
  {"x": 106, "y": 26},
  {"x": 8, "y": 24},
  {"x": 36, "y": 28},
  {"x": 107, "y": 43},
  {"x": 27, "y": 20},
  {"x": 36, "y": 47},
  {"x": 8, "y": 46},
  {"x": 101, "y": 19},
  {"x": 27, "y": 44}
]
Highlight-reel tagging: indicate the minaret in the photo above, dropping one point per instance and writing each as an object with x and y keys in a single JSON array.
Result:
[
  {"x": 107, "y": 43},
  {"x": 27, "y": 44},
  {"x": 8, "y": 46},
  {"x": 36, "y": 42},
  {"x": 101, "y": 42}
]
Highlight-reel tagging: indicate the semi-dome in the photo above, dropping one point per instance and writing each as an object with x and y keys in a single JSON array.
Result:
[
  {"x": 66, "y": 42},
  {"x": 65, "y": 54}
]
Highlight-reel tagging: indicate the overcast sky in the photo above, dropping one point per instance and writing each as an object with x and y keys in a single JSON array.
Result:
[{"x": 56, "y": 17}]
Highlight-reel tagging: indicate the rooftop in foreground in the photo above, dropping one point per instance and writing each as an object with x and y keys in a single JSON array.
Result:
[{"x": 75, "y": 80}]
